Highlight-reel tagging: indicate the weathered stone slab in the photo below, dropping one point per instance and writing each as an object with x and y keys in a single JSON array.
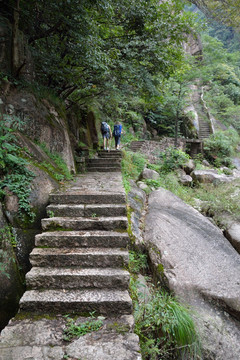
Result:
[
  {"x": 199, "y": 265},
  {"x": 72, "y": 278},
  {"x": 81, "y": 223},
  {"x": 103, "y": 301},
  {"x": 110, "y": 346},
  {"x": 94, "y": 210},
  {"x": 42, "y": 339},
  {"x": 83, "y": 257},
  {"x": 87, "y": 197},
  {"x": 91, "y": 239}
]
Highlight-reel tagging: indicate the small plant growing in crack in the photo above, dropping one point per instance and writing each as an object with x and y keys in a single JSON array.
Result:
[
  {"x": 73, "y": 329},
  {"x": 50, "y": 213}
]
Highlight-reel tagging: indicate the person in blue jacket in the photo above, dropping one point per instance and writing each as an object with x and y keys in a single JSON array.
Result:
[{"x": 117, "y": 131}]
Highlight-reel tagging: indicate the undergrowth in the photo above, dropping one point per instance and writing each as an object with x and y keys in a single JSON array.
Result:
[
  {"x": 165, "y": 327},
  {"x": 132, "y": 166}
]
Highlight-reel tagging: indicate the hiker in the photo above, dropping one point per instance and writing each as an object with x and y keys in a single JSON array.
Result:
[
  {"x": 117, "y": 134},
  {"x": 106, "y": 134}
]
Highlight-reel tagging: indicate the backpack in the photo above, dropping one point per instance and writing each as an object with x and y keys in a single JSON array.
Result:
[
  {"x": 117, "y": 130},
  {"x": 104, "y": 127}
]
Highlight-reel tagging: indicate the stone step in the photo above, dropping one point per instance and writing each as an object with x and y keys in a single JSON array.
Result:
[
  {"x": 79, "y": 257},
  {"x": 114, "y": 164},
  {"x": 81, "y": 223},
  {"x": 104, "y": 162},
  {"x": 117, "y": 153},
  {"x": 106, "y": 302},
  {"x": 94, "y": 210},
  {"x": 87, "y": 198},
  {"x": 72, "y": 278},
  {"x": 104, "y": 169},
  {"x": 83, "y": 239}
]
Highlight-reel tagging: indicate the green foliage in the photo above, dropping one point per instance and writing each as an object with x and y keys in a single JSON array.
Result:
[
  {"x": 166, "y": 329},
  {"x": 220, "y": 146},
  {"x": 219, "y": 202},
  {"x": 113, "y": 51},
  {"x": 137, "y": 262},
  {"x": 132, "y": 166},
  {"x": 60, "y": 171},
  {"x": 14, "y": 173},
  {"x": 50, "y": 213},
  {"x": 7, "y": 236},
  {"x": 74, "y": 330},
  {"x": 172, "y": 159}
]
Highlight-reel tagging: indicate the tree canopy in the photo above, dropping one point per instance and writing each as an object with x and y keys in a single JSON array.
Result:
[
  {"x": 88, "y": 48},
  {"x": 225, "y": 11}
]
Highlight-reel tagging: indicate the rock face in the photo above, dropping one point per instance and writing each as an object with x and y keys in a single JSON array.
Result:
[
  {"x": 200, "y": 266},
  {"x": 233, "y": 235},
  {"x": 10, "y": 278},
  {"x": 41, "y": 123}
]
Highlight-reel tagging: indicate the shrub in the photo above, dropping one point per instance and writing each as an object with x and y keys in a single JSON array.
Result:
[
  {"x": 132, "y": 166},
  {"x": 220, "y": 146},
  {"x": 172, "y": 159}
]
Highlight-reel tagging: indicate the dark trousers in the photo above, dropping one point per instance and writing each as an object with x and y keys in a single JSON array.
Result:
[{"x": 117, "y": 140}]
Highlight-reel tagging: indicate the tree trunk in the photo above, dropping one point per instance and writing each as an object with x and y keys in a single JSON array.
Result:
[
  {"x": 15, "y": 50},
  {"x": 176, "y": 131}
]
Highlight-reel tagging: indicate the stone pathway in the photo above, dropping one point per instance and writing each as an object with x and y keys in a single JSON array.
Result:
[{"x": 78, "y": 267}]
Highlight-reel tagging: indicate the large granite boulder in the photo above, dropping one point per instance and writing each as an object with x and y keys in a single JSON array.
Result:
[
  {"x": 149, "y": 174},
  {"x": 11, "y": 279},
  {"x": 211, "y": 176},
  {"x": 193, "y": 258}
]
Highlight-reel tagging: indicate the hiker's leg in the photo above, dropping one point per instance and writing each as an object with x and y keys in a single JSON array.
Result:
[
  {"x": 104, "y": 142},
  {"x": 118, "y": 142}
]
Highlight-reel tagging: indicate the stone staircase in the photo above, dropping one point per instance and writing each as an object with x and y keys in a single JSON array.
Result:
[
  {"x": 136, "y": 145},
  {"x": 107, "y": 161},
  {"x": 204, "y": 129},
  {"x": 78, "y": 272},
  {"x": 80, "y": 260}
]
